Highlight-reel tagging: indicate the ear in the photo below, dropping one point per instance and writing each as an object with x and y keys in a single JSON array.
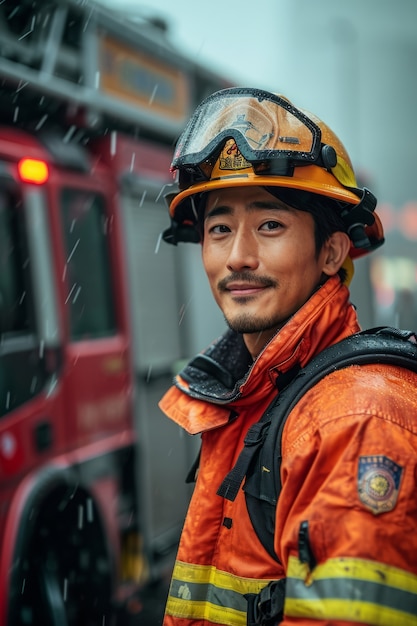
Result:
[{"x": 335, "y": 251}]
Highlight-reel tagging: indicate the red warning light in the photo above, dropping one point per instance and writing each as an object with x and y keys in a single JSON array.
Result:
[{"x": 33, "y": 171}]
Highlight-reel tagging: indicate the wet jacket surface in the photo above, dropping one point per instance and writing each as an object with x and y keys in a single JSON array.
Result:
[{"x": 349, "y": 470}]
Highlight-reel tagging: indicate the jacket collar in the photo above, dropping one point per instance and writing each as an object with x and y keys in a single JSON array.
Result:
[{"x": 225, "y": 372}]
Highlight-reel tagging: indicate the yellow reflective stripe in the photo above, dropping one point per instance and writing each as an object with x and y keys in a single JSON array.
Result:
[
  {"x": 354, "y": 568},
  {"x": 349, "y": 611},
  {"x": 382, "y": 595},
  {"x": 203, "y": 592},
  {"x": 208, "y": 573},
  {"x": 205, "y": 611}
]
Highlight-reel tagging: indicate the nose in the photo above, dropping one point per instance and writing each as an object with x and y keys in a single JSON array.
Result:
[{"x": 243, "y": 252}]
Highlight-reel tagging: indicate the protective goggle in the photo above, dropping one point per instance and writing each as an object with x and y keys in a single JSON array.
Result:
[{"x": 266, "y": 128}]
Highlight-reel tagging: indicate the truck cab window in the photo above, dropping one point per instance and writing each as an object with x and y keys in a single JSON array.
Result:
[
  {"x": 14, "y": 296},
  {"x": 22, "y": 371},
  {"x": 88, "y": 275}
]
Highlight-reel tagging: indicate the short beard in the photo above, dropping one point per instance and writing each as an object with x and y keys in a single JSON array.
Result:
[
  {"x": 247, "y": 324},
  {"x": 244, "y": 323}
]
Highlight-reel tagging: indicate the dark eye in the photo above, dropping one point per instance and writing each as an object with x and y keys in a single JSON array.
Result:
[
  {"x": 219, "y": 229},
  {"x": 271, "y": 225}
]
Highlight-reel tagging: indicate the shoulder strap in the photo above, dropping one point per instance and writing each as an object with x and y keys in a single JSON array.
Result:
[{"x": 260, "y": 460}]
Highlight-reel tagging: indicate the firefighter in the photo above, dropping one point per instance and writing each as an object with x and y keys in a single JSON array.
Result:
[{"x": 270, "y": 193}]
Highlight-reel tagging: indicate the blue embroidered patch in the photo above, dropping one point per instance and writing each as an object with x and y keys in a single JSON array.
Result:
[{"x": 378, "y": 483}]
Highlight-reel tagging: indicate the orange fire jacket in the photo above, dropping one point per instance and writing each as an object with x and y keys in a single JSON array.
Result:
[{"x": 349, "y": 470}]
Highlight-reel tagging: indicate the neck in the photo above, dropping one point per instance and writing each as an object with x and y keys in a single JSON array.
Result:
[{"x": 255, "y": 342}]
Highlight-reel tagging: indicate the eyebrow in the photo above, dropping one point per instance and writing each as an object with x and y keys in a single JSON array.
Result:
[{"x": 253, "y": 206}]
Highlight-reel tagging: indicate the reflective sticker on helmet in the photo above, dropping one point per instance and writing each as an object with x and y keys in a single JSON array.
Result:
[
  {"x": 231, "y": 158},
  {"x": 378, "y": 483}
]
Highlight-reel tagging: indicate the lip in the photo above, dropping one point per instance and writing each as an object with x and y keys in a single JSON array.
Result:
[{"x": 244, "y": 289}]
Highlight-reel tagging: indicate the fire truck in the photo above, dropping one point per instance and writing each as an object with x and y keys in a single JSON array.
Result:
[{"x": 94, "y": 314}]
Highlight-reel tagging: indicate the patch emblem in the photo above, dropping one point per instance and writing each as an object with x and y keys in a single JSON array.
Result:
[{"x": 378, "y": 483}]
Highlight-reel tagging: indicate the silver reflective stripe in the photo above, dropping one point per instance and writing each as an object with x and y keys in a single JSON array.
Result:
[{"x": 218, "y": 596}]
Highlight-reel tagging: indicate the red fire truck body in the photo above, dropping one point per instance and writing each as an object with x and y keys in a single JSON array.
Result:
[{"x": 91, "y": 475}]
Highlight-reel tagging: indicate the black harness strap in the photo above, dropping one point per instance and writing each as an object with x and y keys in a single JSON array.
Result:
[
  {"x": 253, "y": 442},
  {"x": 255, "y": 438}
]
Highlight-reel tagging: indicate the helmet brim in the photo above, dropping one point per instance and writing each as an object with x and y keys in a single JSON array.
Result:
[{"x": 307, "y": 178}]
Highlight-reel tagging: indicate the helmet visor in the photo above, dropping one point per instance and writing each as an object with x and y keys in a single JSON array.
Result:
[{"x": 264, "y": 126}]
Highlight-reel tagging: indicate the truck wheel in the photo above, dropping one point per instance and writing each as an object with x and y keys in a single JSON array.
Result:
[
  {"x": 62, "y": 576},
  {"x": 41, "y": 598}
]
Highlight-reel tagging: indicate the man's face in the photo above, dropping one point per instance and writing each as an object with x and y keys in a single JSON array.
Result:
[{"x": 260, "y": 259}]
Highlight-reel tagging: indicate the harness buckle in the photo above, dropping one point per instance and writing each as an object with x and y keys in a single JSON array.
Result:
[{"x": 266, "y": 608}]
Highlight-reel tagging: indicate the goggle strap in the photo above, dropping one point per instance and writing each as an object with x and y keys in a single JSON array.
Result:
[
  {"x": 186, "y": 233},
  {"x": 362, "y": 212},
  {"x": 358, "y": 216}
]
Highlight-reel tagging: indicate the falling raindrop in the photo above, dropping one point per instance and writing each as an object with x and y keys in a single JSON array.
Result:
[
  {"x": 52, "y": 385},
  {"x": 21, "y": 85},
  {"x": 148, "y": 375},
  {"x": 132, "y": 161},
  {"x": 113, "y": 141},
  {"x": 69, "y": 134},
  {"x": 32, "y": 26},
  {"x": 158, "y": 243},
  {"x": 80, "y": 516},
  {"x": 65, "y": 591},
  {"x": 15, "y": 114},
  {"x": 161, "y": 192},
  {"x": 73, "y": 250},
  {"x": 8, "y": 400},
  {"x": 182, "y": 313},
  {"x": 155, "y": 89},
  {"x": 90, "y": 511},
  {"x": 70, "y": 293},
  {"x": 77, "y": 293},
  {"x": 41, "y": 122},
  {"x": 142, "y": 200},
  {"x": 88, "y": 20}
]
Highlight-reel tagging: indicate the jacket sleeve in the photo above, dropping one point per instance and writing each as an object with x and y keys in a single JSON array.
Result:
[{"x": 347, "y": 515}]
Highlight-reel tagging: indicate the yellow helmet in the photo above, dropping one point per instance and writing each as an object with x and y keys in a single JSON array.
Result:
[{"x": 250, "y": 137}]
